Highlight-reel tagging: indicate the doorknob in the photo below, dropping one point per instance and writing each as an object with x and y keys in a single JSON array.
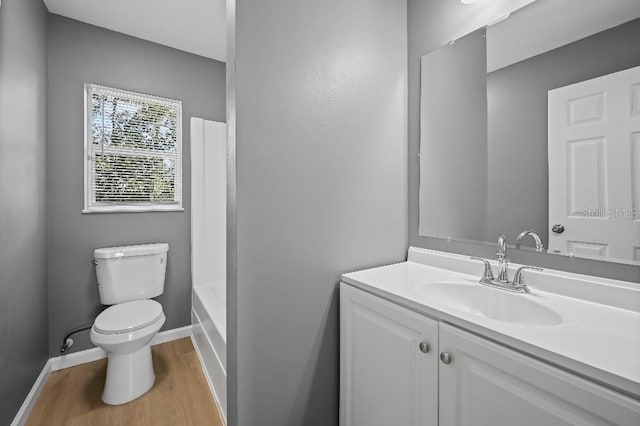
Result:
[
  {"x": 558, "y": 229},
  {"x": 424, "y": 347}
]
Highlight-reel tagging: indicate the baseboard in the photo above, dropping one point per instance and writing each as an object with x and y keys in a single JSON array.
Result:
[
  {"x": 77, "y": 358},
  {"x": 94, "y": 354},
  {"x": 24, "y": 411},
  {"x": 173, "y": 334}
]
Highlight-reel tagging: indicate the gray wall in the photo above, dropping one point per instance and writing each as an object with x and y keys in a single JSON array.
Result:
[
  {"x": 454, "y": 140},
  {"x": 83, "y": 53},
  {"x": 320, "y": 160},
  {"x": 517, "y": 99},
  {"x": 431, "y": 24},
  {"x": 23, "y": 145}
]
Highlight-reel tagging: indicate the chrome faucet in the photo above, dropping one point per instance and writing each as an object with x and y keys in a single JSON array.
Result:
[
  {"x": 503, "y": 276},
  {"x": 534, "y": 235},
  {"x": 518, "y": 284}
]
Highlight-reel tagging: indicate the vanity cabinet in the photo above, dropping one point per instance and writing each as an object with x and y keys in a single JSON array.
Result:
[
  {"x": 462, "y": 379},
  {"x": 388, "y": 363}
]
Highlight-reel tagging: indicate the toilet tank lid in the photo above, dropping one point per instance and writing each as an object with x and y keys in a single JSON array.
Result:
[{"x": 126, "y": 251}]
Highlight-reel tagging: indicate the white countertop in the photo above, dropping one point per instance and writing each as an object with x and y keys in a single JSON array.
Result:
[{"x": 597, "y": 340}]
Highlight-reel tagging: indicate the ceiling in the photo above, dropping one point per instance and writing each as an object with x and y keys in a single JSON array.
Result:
[
  {"x": 548, "y": 24},
  {"x": 195, "y": 26}
]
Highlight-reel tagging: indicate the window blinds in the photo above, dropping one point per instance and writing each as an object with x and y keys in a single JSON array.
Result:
[{"x": 134, "y": 144}]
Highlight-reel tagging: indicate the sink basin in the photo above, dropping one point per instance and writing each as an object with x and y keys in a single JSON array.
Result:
[{"x": 492, "y": 303}]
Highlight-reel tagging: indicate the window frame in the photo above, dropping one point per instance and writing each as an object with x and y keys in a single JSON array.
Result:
[{"x": 89, "y": 170}]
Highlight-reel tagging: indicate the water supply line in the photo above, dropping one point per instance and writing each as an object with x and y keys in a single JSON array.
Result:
[{"x": 66, "y": 342}]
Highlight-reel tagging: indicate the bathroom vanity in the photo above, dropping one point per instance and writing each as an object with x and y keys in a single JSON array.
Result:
[{"x": 423, "y": 343}]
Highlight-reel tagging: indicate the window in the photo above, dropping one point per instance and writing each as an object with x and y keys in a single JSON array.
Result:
[{"x": 133, "y": 151}]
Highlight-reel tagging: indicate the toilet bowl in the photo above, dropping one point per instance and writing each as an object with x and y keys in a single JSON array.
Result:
[{"x": 124, "y": 331}]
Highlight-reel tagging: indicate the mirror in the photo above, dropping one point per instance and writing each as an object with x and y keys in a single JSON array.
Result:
[{"x": 533, "y": 123}]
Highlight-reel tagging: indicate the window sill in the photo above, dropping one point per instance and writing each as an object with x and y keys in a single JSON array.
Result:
[{"x": 132, "y": 209}]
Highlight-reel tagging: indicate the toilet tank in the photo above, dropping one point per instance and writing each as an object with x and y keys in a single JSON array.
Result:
[{"x": 130, "y": 272}]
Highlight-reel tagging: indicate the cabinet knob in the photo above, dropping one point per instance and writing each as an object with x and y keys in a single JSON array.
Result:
[
  {"x": 445, "y": 358},
  {"x": 424, "y": 347}
]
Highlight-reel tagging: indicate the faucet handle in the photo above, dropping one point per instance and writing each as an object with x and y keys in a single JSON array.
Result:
[
  {"x": 488, "y": 271},
  {"x": 518, "y": 278}
]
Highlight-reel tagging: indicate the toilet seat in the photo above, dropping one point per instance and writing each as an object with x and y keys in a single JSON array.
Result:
[{"x": 127, "y": 317}]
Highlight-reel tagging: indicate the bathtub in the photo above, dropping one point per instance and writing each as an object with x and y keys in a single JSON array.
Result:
[{"x": 209, "y": 319}]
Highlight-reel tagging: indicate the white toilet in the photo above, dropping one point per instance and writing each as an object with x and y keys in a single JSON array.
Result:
[{"x": 128, "y": 277}]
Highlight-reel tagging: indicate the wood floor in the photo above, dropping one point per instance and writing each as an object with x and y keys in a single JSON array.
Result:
[{"x": 180, "y": 395}]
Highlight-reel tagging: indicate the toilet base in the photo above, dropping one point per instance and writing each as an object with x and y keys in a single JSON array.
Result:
[{"x": 129, "y": 376}]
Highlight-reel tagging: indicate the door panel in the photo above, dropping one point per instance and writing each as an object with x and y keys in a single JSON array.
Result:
[
  {"x": 587, "y": 186},
  {"x": 385, "y": 379},
  {"x": 635, "y": 164},
  {"x": 489, "y": 385}
]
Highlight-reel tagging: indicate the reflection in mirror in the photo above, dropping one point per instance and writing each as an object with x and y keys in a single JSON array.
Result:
[{"x": 534, "y": 124}]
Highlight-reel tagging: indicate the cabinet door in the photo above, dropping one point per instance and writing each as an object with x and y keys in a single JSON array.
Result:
[
  {"x": 488, "y": 384},
  {"x": 386, "y": 378}
]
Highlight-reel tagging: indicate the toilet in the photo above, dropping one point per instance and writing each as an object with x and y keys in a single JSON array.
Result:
[{"x": 128, "y": 277}]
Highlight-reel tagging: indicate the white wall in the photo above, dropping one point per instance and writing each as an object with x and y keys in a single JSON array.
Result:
[{"x": 208, "y": 202}]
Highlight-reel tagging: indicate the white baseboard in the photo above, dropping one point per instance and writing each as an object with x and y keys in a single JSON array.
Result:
[
  {"x": 94, "y": 354},
  {"x": 24, "y": 411},
  {"x": 77, "y": 358},
  {"x": 173, "y": 334}
]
